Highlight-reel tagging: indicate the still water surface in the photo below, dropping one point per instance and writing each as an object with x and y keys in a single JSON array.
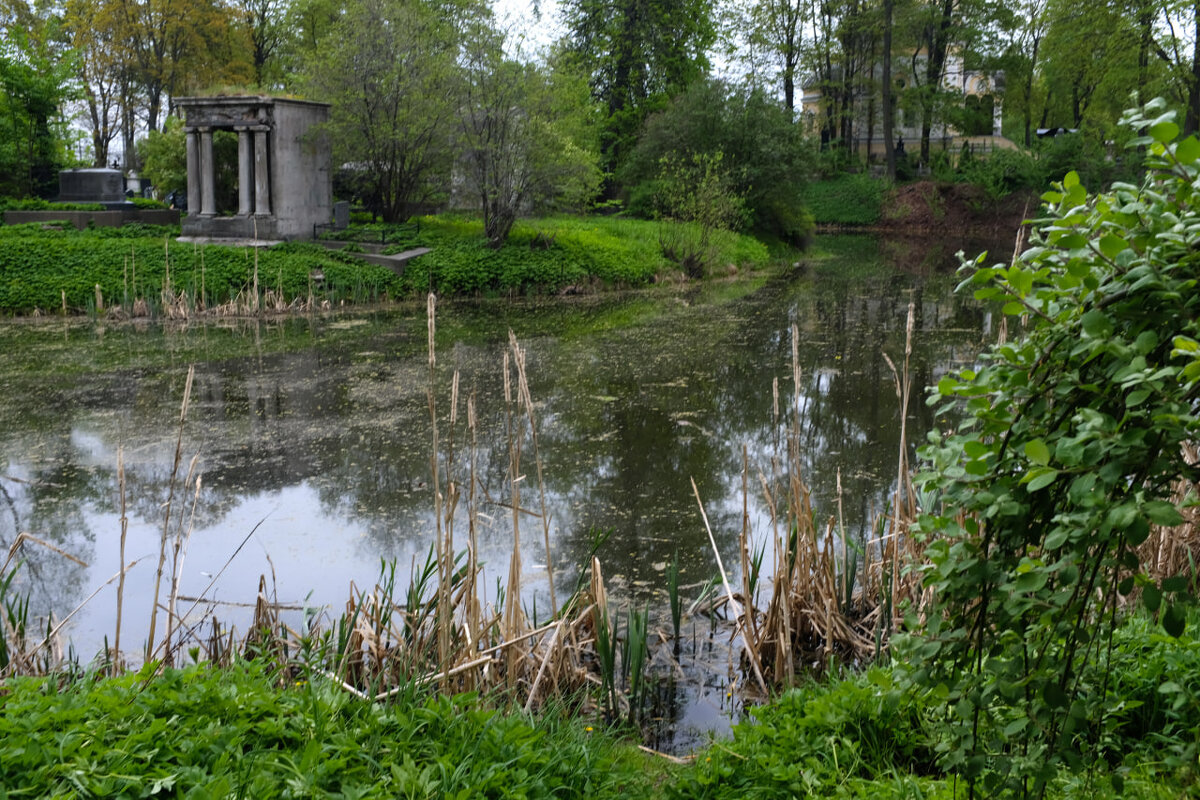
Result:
[{"x": 314, "y": 433}]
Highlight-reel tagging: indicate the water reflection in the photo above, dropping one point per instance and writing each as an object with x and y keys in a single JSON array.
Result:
[{"x": 317, "y": 431}]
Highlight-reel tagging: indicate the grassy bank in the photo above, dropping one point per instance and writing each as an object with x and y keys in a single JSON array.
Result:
[
  {"x": 145, "y": 271},
  {"x": 204, "y": 732},
  {"x": 247, "y": 731}
]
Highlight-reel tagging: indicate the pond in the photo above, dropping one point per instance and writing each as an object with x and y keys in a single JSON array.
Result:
[{"x": 313, "y": 437}]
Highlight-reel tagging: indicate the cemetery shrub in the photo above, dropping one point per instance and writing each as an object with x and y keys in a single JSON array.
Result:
[{"x": 1066, "y": 458}]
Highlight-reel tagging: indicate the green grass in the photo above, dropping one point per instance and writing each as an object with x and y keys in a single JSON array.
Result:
[
  {"x": 848, "y": 199},
  {"x": 39, "y": 266},
  {"x": 553, "y": 252},
  {"x": 233, "y": 732},
  {"x": 239, "y": 731}
]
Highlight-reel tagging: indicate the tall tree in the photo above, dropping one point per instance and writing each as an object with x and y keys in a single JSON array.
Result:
[
  {"x": 638, "y": 53},
  {"x": 94, "y": 31},
  {"x": 264, "y": 23},
  {"x": 888, "y": 95},
  {"x": 777, "y": 28},
  {"x": 524, "y": 135},
  {"x": 1090, "y": 64},
  {"x": 34, "y": 84},
  {"x": 178, "y": 46},
  {"x": 389, "y": 68}
]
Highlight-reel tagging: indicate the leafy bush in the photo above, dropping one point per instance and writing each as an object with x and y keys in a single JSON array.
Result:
[
  {"x": 849, "y": 199},
  {"x": 1002, "y": 172},
  {"x": 765, "y": 155},
  {"x": 1153, "y": 682},
  {"x": 147, "y": 202},
  {"x": 812, "y": 740},
  {"x": 37, "y": 204},
  {"x": 1067, "y": 458}
]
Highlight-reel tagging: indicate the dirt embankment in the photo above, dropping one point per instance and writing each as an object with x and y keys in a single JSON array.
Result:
[{"x": 929, "y": 208}]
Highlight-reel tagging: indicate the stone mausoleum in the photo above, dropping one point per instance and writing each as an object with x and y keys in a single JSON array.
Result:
[{"x": 283, "y": 168}]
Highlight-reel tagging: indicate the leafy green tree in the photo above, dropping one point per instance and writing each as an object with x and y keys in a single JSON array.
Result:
[
  {"x": 637, "y": 53},
  {"x": 93, "y": 31},
  {"x": 524, "y": 134},
  {"x": 1038, "y": 507},
  {"x": 34, "y": 84},
  {"x": 164, "y": 157},
  {"x": 389, "y": 68},
  {"x": 776, "y": 28},
  {"x": 1090, "y": 65},
  {"x": 763, "y": 154},
  {"x": 263, "y": 25}
]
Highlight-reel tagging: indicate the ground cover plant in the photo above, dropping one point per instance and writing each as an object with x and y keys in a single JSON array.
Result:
[
  {"x": 249, "y": 728},
  {"x": 237, "y": 731},
  {"x": 51, "y": 269},
  {"x": 846, "y": 199}
]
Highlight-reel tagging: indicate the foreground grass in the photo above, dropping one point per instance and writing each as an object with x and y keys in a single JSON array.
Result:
[
  {"x": 206, "y": 732},
  {"x": 202, "y": 732},
  {"x": 44, "y": 268}
]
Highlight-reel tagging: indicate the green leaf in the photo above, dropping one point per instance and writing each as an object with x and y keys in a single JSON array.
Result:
[
  {"x": 1096, "y": 324},
  {"x": 1151, "y": 597},
  {"x": 1111, "y": 245},
  {"x": 1037, "y": 452},
  {"x": 1039, "y": 478},
  {"x": 1137, "y": 531},
  {"x": 1136, "y": 398},
  {"x": 1021, "y": 280},
  {"x": 1174, "y": 620},
  {"x": 1070, "y": 180},
  {"x": 1188, "y": 151},
  {"x": 1179, "y": 583},
  {"x": 1016, "y": 726},
  {"x": 1164, "y": 131},
  {"x": 1054, "y": 696},
  {"x": 1160, "y": 512}
]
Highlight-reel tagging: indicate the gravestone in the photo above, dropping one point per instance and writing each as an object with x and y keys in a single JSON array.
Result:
[{"x": 94, "y": 185}]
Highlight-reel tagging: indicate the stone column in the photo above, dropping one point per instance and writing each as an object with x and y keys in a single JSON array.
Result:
[
  {"x": 245, "y": 172},
  {"x": 262, "y": 174},
  {"x": 208, "y": 192},
  {"x": 193, "y": 170}
]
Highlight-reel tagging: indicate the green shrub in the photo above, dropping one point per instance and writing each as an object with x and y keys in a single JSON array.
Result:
[
  {"x": 1067, "y": 457},
  {"x": 812, "y": 740},
  {"x": 37, "y": 204},
  {"x": 147, "y": 202}
]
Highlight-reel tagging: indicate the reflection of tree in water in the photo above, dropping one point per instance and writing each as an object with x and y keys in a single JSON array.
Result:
[
  {"x": 626, "y": 418},
  {"x": 47, "y": 501}
]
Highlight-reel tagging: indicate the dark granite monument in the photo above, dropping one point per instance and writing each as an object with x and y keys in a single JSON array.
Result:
[{"x": 95, "y": 185}]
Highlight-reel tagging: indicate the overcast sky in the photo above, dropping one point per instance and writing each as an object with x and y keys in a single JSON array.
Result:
[{"x": 538, "y": 33}]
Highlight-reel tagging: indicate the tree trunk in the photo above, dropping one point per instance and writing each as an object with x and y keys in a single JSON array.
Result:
[
  {"x": 889, "y": 147},
  {"x": 939, "y": 42}
]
